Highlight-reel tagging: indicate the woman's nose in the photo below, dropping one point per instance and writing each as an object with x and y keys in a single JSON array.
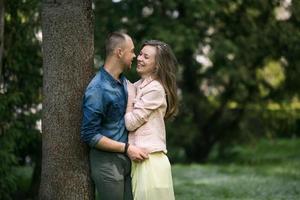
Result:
[{"x": 139, "y": 58}]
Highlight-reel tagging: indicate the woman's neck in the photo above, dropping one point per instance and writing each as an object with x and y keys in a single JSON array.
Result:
[{"x": 147, "y": 76}]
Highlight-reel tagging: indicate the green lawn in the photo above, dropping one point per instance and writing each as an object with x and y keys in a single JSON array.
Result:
[
  {"x": 269, "y": 170},
  {"x": 266, "y": 171}
]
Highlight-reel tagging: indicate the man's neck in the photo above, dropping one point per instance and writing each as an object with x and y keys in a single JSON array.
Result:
[{"x": 113, "y": 68}]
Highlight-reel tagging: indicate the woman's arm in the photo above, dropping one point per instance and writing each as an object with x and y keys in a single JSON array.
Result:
[{"x": 153, "y": 97}]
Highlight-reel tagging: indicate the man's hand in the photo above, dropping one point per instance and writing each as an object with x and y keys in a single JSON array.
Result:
[{"x": 136, "y": 154}]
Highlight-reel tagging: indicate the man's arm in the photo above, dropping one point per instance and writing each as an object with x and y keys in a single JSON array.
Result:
[
  {"x": 90, "y": 130},
  {"x": 133, "y": 152}
]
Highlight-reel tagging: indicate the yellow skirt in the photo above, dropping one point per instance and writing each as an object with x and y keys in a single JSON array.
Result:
[{"x": 152, "y": 178}]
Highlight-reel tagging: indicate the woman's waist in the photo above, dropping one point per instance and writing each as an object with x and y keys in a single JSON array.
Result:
[{"x": 149, "y": 147}]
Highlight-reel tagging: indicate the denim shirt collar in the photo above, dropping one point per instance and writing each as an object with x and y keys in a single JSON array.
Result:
[
  {"x": 111, "y": 79},
  {"x": 114, "y": 82}
]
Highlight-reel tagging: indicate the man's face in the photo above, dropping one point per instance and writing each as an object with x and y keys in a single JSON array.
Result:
[{"x": 128, "y": 54}]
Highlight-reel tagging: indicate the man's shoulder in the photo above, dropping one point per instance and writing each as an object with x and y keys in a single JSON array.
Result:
[{"x": 97, "y": 81}]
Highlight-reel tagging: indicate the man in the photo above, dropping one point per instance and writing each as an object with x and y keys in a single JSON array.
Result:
[{"x": 103, "y": 126}]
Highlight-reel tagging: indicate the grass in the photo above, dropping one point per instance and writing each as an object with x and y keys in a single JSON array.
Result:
[
  {"x": 24, "y": 174},
  {"x": 266, "y": 171},
  {"x": 269, "y": 170}
]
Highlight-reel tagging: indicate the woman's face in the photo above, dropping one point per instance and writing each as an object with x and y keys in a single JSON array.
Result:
[{"x": 146, "y": 61}]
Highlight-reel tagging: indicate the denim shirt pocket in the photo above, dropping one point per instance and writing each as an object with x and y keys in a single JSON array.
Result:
[{"x": 114, "y": 112}]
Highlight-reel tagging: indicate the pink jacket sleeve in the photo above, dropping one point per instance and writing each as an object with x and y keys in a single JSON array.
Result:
[{"x": 151, "y": 99}]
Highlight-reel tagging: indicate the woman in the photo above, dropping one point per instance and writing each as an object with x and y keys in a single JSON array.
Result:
[{"x": 151, "y": 100}]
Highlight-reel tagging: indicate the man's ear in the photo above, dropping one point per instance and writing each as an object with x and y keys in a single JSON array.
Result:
[{"x": 119, "y": 52}]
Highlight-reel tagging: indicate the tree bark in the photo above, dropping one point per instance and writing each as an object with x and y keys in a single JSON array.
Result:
[{"x": 68, "y": 50}]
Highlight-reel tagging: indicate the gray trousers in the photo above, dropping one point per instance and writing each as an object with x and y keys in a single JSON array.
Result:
[{"x": 111, "y": 175}]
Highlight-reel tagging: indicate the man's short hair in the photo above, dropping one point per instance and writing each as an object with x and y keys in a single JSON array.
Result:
[{"x": 113, "y": 41}]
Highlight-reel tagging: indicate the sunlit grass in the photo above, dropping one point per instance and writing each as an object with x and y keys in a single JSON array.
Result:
[
  {"x": 269, "y": 171},
  {"x": 235, "y": 182}
]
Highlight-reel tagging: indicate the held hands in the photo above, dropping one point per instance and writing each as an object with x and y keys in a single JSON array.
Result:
[{"x": 136, "y": 154}]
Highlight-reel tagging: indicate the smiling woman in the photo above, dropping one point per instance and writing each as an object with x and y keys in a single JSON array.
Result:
[
  {"x": 146, "y": 64},
  {"x": 151, "y": 100}
]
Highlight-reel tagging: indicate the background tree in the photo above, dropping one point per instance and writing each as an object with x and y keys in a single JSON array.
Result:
[
  {"x": 20, "y": 83},
  {"x": 1, "y": 31},
  {"x": 67, "y": 59},
  {"x": 237, "y": 61},
  {"x": 238, "y": 73}
]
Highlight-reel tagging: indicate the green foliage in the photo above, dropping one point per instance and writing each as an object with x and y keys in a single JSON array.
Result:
[
  {"x": 20, "y": 90},
  {"x": 253, "y": 61},
  {"x": 8, "y": 179},
  {"x": 278, "y": 151}
]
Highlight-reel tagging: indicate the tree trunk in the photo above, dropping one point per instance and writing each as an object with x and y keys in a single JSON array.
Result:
[
  {"x": 1, "y": 36},
  {"x": 68, "y": 47}
]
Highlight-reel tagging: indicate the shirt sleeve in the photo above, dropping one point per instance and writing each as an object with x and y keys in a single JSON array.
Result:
[
  {"x": 92, "y": 116},
  {"x": 151, "y": 100}
]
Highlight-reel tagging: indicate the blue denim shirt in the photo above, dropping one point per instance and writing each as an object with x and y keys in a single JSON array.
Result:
[{"x": 104, "y": 106}]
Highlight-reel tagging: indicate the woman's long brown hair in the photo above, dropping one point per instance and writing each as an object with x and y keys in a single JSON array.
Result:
[{"x": 166, "y": 74}]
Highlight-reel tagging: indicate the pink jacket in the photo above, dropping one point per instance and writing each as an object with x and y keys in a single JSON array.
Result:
[{"x": 145, "y": 115}]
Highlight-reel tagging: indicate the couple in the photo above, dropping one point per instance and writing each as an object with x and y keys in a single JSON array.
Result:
[{"x": 131, "y": 165}]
